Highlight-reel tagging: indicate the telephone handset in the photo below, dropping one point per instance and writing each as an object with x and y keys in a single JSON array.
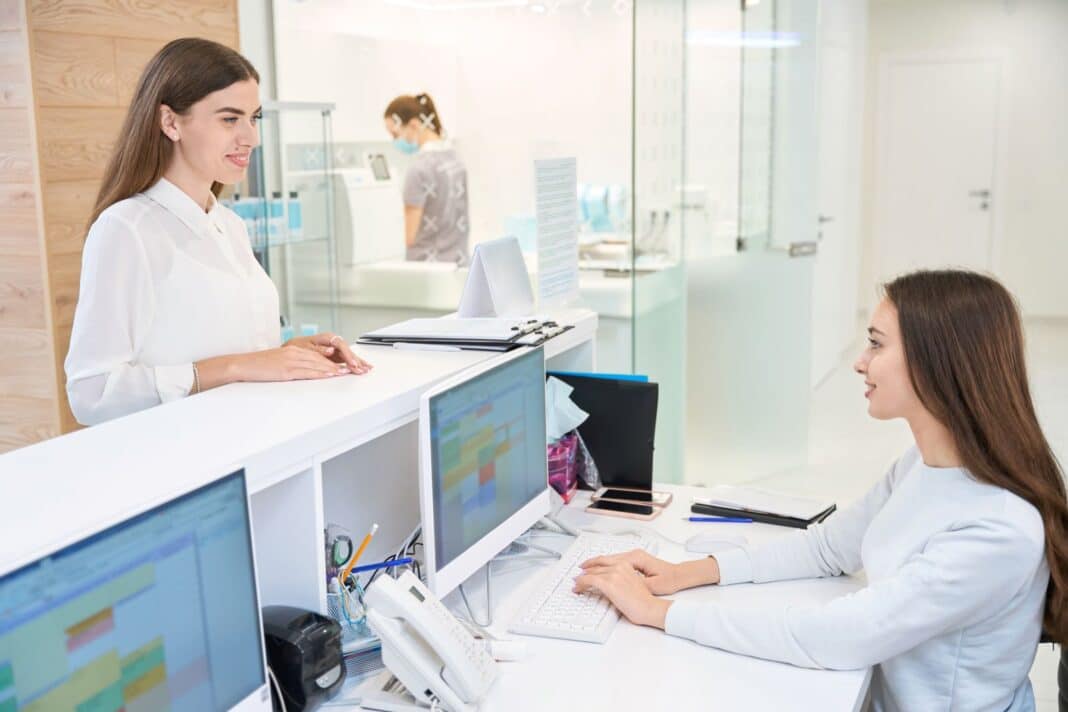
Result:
[{"x": 425, "y": 647}]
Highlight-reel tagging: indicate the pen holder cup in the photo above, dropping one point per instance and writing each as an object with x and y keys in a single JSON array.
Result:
[
  {"x": 348, "y": 609},
  {"x": 562, "y": 471}
]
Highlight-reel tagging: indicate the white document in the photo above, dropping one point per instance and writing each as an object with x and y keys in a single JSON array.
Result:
[
  {"x": 447, "y": 330},
  {"x": 757, "y": 500},
  {"x": 556, "y": 189}
]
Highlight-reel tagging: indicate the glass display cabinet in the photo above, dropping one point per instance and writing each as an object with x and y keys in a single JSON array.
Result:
[{"x": 287, "y": 203}]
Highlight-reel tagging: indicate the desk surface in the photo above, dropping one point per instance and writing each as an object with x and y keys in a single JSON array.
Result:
[{"x": 643, "y": 668}]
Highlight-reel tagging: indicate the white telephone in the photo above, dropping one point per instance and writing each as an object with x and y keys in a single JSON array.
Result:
[{"x": 425, "y": 647}]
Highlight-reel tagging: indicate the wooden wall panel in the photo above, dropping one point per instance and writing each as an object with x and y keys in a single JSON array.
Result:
[
  {"x": 22, "y": 293},
  {"x": 214, "y": 19},
  {"x": 67, "y": 205},
  {"x": 74, "y": 70},
  {"x": 27, "y": 371},
  {"x": 25, "y": 421},
  {"x": 14, "y": 79},
  {"x": 64, "y": 273},
  {"x": 75, "y": 143},
  {"x": 131, "y": 57},
  {"x": 16, "y": 148},
  {"x": 19, "y": 235},
  {"x": 10, "y": 14}
]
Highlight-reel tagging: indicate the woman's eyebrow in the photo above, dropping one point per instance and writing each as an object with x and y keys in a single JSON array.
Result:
[
  {"x": 873, "y": 330},
  {"x": 232, "y": 110}
]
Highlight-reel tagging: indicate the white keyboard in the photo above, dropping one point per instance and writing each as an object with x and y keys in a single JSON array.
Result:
[{"x": 556, "y": 611}]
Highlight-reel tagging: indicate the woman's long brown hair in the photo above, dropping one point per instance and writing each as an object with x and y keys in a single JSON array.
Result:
[
  {"x": 965, "y": 351},
  {"x": 181, "y": 74}
]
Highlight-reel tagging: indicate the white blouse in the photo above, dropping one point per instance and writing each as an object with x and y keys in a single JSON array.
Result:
[{"x": 163, "y": 284}]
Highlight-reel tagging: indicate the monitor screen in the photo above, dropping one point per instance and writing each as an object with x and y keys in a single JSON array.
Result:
[
  {"x": 487, "y": 444},
  {"x": 156, "y": 613}
]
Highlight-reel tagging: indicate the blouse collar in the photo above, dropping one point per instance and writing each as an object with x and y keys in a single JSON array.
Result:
[{"x": 176, "y": 201}]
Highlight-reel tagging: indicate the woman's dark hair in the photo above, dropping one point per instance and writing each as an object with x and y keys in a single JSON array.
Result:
[
  {"x": 964, "y": 347},
  {"x": 405, "y": 108},
  {"x": 181, "y": 74}
]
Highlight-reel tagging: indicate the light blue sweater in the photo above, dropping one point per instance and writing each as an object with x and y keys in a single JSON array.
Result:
[{"x": 952, "y": 612}]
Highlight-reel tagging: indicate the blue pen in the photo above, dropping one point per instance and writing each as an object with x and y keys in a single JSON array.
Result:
[
  {"x": 726, "y": 520},
  {"x": 382, "y": 565}
]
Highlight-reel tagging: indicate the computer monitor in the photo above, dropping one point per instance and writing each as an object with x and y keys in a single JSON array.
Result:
[
  {"x": 483, "y": 476},
  {"x": 157, "y": 612}
]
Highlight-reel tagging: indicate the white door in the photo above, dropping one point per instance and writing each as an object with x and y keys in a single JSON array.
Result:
[
  {"x": 935, "y": 160},
  {"x": 834, "y": 292}
]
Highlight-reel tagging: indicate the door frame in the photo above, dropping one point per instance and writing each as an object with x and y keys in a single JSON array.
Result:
[{"x": 892, "y": 58}]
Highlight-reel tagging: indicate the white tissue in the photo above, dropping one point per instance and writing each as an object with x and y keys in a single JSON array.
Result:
[{"x": 561, "y": 414}]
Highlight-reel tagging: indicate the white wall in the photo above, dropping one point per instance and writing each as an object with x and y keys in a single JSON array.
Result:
[{"x": 1032, "y": 252}]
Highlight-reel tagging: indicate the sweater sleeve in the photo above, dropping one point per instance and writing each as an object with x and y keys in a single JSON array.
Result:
[
  {"x": 830, "y": 548},
  {"x": 964, "y": 574}
]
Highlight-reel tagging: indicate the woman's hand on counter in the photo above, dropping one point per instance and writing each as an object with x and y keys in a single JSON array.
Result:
[
  {"x": 286, "y": 363},
  {"x": 333, "y": 347}
]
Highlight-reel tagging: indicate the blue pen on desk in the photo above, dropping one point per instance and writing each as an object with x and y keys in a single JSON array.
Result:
[
  {"x": 382, "y": 565},
  {"x": 725, "y": 520}
]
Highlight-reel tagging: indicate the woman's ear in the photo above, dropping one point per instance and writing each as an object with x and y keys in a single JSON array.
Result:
[{"x": 168, "y": 123}]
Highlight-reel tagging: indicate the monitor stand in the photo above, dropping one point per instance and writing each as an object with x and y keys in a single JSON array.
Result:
[{"x": 519, "y": 550}]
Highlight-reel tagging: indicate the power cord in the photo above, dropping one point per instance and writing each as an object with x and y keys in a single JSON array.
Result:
[{"x": 277, "y": 687}]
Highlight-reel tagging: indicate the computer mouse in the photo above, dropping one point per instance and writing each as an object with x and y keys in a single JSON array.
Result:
[{"x": 711, "y": 542}]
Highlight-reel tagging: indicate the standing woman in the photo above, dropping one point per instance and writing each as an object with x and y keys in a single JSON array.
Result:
[
  {"x": 172, "y": 301},
  {"x": 435, "y": 187},
  {"x": 964, "y": 541}
]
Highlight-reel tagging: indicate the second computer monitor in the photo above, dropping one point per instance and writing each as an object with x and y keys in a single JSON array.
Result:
[{"x": 482, "y": 465}]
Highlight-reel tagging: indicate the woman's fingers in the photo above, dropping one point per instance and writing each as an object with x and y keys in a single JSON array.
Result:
[
  {"x": 635, "y": 558},
  {"x": 313, "y": 360},
  {"x": 357, "y": 364}
]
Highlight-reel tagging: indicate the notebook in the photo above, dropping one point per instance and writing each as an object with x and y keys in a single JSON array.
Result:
[{"x": 763, "y": 506}]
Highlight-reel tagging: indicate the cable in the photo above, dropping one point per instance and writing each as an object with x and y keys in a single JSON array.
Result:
[{"x": 277, "y": 687}]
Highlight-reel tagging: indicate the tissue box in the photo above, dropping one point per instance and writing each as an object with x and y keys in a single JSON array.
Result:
[{"x": 562, "y": 470}]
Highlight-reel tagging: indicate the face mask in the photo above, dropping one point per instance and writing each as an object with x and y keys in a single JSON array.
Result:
[{"x": 405, "y": 146}]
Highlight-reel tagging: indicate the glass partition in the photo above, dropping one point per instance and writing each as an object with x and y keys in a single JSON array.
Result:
[
  {"x": 287, "y": 204},
  {"x": 511, "y": 83},
  {"x": 657, "y": 271},
  {"x": 692, "y": 125},
  {"x": 749, "y": 303}
]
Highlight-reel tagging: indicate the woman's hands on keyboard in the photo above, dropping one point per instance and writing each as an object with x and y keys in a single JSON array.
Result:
[{"x": 627, "y": 586}]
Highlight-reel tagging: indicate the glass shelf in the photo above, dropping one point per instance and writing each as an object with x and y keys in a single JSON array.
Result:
[{"x": 279, "y": 197}]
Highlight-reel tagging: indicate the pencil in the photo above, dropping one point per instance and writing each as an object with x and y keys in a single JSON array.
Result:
[{"x": 359, "y": 552}]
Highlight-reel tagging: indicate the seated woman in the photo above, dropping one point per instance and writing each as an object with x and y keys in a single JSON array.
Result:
[{"x": 963, "y": 541}]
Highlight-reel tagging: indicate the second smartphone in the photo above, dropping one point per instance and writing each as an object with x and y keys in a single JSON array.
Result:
[{"x": 627, "y": 494}]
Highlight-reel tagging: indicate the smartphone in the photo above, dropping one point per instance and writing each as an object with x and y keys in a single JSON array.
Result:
[
  {"x": 625, "y": 494},
  {"x": 624, "y": 509}
]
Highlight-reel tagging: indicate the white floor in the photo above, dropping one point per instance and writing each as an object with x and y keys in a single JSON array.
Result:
[{"x": 848, "y": 451}]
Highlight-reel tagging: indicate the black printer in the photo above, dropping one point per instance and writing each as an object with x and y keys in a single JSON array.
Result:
[{"x": 304, "y": 652}]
